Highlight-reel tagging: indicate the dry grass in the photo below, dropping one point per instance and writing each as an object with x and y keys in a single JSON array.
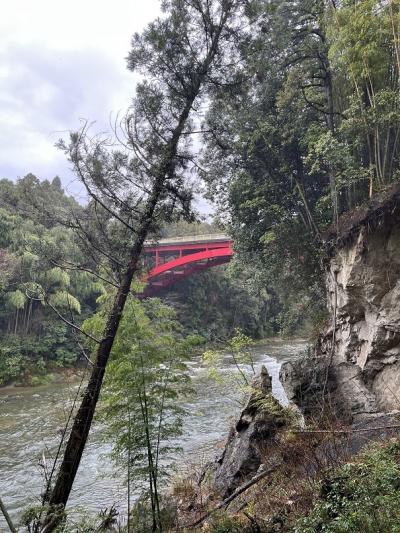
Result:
[{"x": 275, "y": 502}]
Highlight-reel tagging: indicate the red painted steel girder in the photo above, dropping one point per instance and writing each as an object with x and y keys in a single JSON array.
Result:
[
  {"x": 190, "y": 258},
  {"x": 166, "y": 281},
  {"x": 164, "y": 275}
]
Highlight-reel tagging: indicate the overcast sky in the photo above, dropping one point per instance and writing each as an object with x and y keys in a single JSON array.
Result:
[{"x": 59, "y": 62}]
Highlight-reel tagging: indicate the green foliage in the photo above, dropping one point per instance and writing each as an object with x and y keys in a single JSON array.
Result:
[
  {"x": 16, "y": 300},
  {"x": 141, "y": 515},
  {"x": 269, "y": 198},
  {"x": 145, "y": 380},
  {"x": 360, "y": 496},
  {"x": 237, "y": 353},
  {"x": 12, "y": 366},
  {"x": 311, "y": 131},
  {"x": 33, "y": 338},
  {"x": 64, "y": 300},
  {"x": 221, "y": 522},
  {"x": 362, "y": 37},
  {"x": 58, "y": 277},
  {"x": 364, "y": 50},
  {"x": 232, "y": 298},
  {"x": 24, "y": 357},
  {"x": 270, "y": 405}
]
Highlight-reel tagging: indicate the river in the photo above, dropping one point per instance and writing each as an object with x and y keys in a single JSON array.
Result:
[{"x": 31, "y": 420}]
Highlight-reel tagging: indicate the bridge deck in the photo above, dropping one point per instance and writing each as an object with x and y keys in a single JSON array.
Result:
[{"x": 190, "y": 239}]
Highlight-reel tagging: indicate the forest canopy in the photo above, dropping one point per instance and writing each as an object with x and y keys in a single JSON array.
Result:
[{"x": 301, "y": 125}]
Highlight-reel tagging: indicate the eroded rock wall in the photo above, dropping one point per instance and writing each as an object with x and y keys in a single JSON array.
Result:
[{"x": 356, "y": 362}]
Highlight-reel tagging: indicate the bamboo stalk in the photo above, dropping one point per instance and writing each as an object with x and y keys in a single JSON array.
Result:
[{"x": 395, "y": 36}]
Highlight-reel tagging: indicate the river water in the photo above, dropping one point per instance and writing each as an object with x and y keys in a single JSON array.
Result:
[{"x": 31, "y": 420}]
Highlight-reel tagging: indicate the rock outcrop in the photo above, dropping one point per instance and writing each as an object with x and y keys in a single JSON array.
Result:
[
  {"x": 353, "y": 372},
  {"x": 250, "y": 440},
  {"x": 356, "y": 363}
]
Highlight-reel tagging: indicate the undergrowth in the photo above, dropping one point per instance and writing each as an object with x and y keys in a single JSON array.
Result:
[
  {"x": 359, "y": 495},
  {"x": 362, "y": 496}
]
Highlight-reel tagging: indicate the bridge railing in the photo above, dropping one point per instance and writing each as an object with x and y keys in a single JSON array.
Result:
[{"x": 210, "y": 237}]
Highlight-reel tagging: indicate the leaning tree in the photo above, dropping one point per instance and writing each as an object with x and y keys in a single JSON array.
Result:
[{"x": 140, "y": 175}]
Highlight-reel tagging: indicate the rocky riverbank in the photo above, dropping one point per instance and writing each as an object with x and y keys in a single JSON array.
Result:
[
  {"x": 345, "y": 390},
  {"x": 355, "y": 367}
]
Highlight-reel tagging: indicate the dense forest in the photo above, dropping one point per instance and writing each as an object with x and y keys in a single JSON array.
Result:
[
  {"x": 305, "y": 128},
  {"x": 32, "y": 283},
  {"x": 36, "y": 286},
  {"x": 308, "y": 130},
  {"x": 286, "y": 115}
]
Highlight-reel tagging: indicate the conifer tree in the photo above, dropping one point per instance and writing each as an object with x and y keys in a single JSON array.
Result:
[{"x": 180, "y": 55}]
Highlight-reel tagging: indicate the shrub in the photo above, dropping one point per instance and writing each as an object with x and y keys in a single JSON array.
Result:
[
  {"x": 223, "y": 523},
  {"x": 360, "y": 496}
]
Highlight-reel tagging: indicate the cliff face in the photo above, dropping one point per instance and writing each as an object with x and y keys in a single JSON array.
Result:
[
  {"x": 356, "y": 363},
  {"x": 352, "y": 373}
]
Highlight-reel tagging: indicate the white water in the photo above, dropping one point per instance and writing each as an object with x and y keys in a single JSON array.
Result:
[{"x": 31, "y": 420}]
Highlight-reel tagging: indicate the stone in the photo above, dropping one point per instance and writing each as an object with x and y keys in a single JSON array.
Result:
[
  {"x": 356, "y": 362},
  {"x": 253, "y": 433}
]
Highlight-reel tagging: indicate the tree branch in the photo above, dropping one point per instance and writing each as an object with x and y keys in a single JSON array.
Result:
[
  {"x": 71, "y": 324},
  {"x": 235, "y": 494}
]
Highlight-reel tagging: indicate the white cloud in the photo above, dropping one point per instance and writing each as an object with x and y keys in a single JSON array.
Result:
[
  {"x": 61, "y": 61},
  {"x": 76, "y": 24}
]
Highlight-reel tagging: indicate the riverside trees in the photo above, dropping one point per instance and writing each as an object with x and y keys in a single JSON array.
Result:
[
  {"x": 145, "y": 383},
  {"x": 34, "y": 341}
]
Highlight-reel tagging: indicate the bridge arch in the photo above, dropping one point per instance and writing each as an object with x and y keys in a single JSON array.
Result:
[{"x": 180, "y": 257}]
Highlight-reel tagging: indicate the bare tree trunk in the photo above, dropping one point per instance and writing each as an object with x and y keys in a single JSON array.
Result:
[{"x": 16, "y": 321}]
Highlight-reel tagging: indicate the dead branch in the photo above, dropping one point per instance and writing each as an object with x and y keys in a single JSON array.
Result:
[
  {"x": 235, "y": 494},
  {"x": 346, "y": 431}
]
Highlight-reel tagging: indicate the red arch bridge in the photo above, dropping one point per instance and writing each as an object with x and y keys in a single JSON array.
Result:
[{"x": 175, "y": 258}]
